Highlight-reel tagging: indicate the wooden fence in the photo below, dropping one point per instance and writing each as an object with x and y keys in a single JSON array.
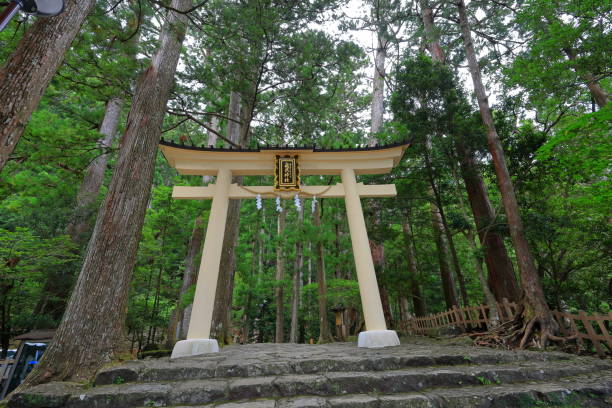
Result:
[{"x": 586, "y": 329}]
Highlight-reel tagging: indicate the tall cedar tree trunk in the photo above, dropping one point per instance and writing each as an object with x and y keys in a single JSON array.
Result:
[
  {"x": 177, "y": 328},
  {"x": 57, "y": 286},
  {"x": 502, "y": 280},
  {"x": 279, "y": 336},
  {"x": 222, "y": 312},
  {"x": 477, "y": 255},
  {"x": 324, "y": 332},
  {"x": 94, "y": 319},
  {"x": 535, "y": 310},
  {"x": 24, "y": 78},
  {"x": 418, "y": 301},
  {"x": 297, "y": 280},
  {"x": 431, "y": 35}
]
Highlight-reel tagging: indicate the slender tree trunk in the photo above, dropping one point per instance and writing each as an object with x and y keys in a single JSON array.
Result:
[
  {"x": 377, "y": 110},
  {"x": 246, "y": 316},
  {"x": 535, "y": 308},
  {"x": 95, "y": 315},
  {"x": 405, "y": 314},
  {"x": 177, "y": 328},
  {"x": 309, "y": 268},
  {"x": 297, "y": 281},
  {"x": 324, "y": 333},
  {"x": 489, "y": 297},
  {"x": 94, "y": 175},
  {"x": 338, "y": 270},
  {"x": 24, "y": 78},
  {"x": 448, "y": 284},
  {"x": 455, "y": 259},
  {"x": 280, "y": 275},
  {"x": 418, "y": 301},
  {"x": 378, "y": 89},
  {"x": 501, "y": 272},
  {"x": 222, "y": 313}
]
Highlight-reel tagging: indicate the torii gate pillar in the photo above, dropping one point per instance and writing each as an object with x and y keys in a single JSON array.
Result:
[
  {"x": 376, "y": 334},
  {"x": 198, "y": 337}
]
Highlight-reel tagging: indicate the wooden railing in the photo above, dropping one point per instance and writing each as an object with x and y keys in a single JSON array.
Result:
[{"x": 592, "y": 328}]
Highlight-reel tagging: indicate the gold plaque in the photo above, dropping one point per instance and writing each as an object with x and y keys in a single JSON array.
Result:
[{"x": 286, "y": 173}]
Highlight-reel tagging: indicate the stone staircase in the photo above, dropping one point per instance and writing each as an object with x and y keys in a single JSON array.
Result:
[{"x": 419, "y": 373}]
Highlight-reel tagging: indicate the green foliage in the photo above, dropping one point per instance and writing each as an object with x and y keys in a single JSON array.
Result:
[{"x": 25, "y": 259}]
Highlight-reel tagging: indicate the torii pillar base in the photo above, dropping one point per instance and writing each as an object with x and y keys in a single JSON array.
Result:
[
  {"x": 378, "y": 339},
  {"x": 194, "y": 347}
]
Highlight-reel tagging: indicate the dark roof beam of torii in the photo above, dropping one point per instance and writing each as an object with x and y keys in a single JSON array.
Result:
[{"x": 192, "y": 160}]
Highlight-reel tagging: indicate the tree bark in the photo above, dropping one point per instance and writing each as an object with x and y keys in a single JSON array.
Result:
[
  {"x": 280, "y": 275},
  {"x": 418, "y": 301},
  {"x": 94, "y": 175},
  {"x": 324, "y": 332},
  {"x": 93, "y": 323},
  {"x": 24, "y": 78},
  {"x": 431, "y": 36},
  {"x": 502, "y": 280},
  {"x": 535, "y": 309},
  {"x": 177, "y": 328},
  {"x": 378, "y": 89}
]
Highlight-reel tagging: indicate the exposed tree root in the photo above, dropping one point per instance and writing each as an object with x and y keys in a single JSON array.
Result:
[{"x": 525, "y": 330}]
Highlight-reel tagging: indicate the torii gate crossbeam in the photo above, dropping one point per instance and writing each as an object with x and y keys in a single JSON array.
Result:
[{"x": 225, "y": 163}]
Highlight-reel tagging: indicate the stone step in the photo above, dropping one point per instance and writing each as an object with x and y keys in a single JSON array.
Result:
[
  {"x": 328, "y": 385},
  {"x": 590, "y": 390},
  {"x": 339, "y": 358}
]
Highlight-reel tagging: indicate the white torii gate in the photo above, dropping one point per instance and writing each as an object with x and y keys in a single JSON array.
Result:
[{"x": 225, "y": 163}]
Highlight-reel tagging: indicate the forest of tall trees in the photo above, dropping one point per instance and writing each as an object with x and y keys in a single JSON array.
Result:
[{"x": 503, "y": 193}]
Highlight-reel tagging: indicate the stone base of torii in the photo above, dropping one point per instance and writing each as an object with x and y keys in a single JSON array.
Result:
[{"x": 195, "y": 161}]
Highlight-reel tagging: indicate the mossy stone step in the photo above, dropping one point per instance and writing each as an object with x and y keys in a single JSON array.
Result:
[
  {"x": 194, "y": 392},
  {"x": 277, "y": 359},
  {"x": 590, "y": 390},
  {"x": 420, "y": 371}
]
